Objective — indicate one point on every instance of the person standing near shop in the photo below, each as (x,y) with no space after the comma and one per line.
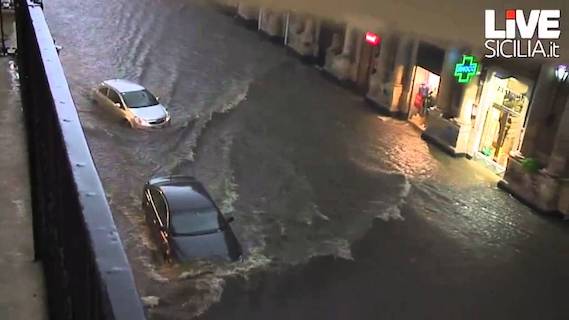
(419,102)
(428,102)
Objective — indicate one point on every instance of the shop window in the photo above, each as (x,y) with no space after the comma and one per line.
(423,95)
(504,105)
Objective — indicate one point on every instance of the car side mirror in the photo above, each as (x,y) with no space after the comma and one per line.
(230,219)
(118,105)
(157,98)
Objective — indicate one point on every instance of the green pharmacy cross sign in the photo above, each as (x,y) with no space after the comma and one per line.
(466,70)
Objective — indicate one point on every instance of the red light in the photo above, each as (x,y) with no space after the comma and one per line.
(372,38)
(510,14)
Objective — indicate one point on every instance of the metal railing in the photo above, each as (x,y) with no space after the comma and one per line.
(86,269)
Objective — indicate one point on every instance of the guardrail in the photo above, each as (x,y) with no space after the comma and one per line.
(87,273)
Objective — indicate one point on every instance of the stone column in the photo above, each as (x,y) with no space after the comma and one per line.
(273,24)
(307,38)
(408,78)
(465,137)
(445,126)
(348,41)
(342,64)
(295,29)
(468,99)
(470,89)
(450,92)
(558,160)
(385,52)
(379,77)
(401,65)
(539,108)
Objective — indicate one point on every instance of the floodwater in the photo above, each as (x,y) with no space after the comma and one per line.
(343,214)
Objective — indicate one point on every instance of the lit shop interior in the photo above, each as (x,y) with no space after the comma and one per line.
(500,120)
(423,96)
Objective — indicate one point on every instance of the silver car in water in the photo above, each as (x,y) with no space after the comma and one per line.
(132,102)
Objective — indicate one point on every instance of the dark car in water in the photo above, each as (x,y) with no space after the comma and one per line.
(186,223)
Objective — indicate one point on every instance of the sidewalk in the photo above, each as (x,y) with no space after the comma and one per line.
(21,279)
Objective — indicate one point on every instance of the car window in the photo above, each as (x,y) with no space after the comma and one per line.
(160,205)
(114,96)
(103,90)
(139,99)
(162,209)
(196,222)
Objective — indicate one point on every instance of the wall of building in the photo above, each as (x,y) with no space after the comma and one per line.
(247,12)
(302,34)
(458,117)
(272,22)
(450,20)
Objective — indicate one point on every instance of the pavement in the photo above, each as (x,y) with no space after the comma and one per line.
(21,278)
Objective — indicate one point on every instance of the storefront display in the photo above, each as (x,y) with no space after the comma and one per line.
(424,92)
(501,120)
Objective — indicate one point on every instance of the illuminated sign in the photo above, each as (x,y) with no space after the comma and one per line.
(372,38)
(466,70)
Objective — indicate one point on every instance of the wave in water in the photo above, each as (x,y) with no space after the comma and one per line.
(185,152)
(209,279)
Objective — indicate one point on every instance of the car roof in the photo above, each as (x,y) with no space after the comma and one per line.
(183,197)
(122,85)
(176,179)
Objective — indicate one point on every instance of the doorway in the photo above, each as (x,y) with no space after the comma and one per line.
(366,66)
(504,103)
(325,39)
(425,87)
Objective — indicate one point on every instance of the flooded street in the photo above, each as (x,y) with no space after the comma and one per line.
(342,214)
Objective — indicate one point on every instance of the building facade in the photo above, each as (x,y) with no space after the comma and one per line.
(302,35)
(247,12)
(273,23)
(512,116)
(539,173)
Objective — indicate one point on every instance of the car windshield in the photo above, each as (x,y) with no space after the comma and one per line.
(195,222)
(139,99)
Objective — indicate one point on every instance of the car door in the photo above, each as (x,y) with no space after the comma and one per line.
(161,220)
(151,212)
(100,95)
(148,207)
(114,99)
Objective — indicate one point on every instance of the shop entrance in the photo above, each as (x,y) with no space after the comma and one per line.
(326,38)
(365,66)
(504,105)
(423,95)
